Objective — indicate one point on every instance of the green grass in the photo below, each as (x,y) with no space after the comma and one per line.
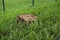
(48,27)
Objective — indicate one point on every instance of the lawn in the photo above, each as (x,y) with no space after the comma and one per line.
(47,28)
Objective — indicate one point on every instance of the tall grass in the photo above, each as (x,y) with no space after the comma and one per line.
(47,28)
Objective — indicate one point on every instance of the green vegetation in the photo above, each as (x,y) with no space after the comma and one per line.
(48,27)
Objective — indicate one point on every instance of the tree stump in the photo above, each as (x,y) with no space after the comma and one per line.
(26,18)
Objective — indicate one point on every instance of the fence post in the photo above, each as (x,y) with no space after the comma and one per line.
(32,2)
(3,5)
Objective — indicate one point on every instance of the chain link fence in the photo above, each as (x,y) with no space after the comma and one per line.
(18,4)
(0,5)
(22,4)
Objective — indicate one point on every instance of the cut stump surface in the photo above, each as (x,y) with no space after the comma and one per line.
(26,18)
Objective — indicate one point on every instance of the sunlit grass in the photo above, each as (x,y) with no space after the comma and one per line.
(47,28)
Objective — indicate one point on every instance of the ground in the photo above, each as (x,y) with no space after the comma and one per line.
(47,28)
